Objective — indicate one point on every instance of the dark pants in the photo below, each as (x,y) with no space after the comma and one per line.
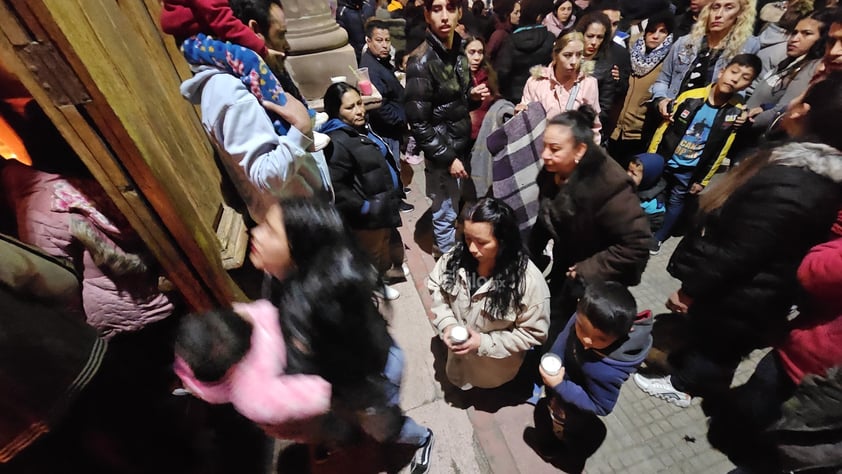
(623,150)
(678,187)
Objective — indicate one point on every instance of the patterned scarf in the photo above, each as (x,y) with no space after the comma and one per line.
(643,63)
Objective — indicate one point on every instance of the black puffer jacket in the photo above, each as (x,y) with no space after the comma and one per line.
(740,266)
(437,84)
(360,173)
(611,91)
(523,49)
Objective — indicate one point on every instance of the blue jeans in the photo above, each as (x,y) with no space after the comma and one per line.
(443,190)
(678,186)
(394,146)
(377,423)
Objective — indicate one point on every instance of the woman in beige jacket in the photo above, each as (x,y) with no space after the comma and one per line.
(487,285)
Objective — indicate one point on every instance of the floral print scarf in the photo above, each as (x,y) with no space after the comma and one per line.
(642,62)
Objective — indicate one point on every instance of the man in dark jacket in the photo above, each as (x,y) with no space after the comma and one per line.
(437,90)
(351,16)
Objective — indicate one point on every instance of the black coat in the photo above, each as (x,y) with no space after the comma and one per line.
(351,16)
(437,85)
(360,173)
(388,120)
(740,265)
(611,91)
(595,221)
(523,49)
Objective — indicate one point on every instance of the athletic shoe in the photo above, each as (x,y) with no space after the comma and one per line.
(388,293)
(654,247)
(394,274)
(662,388)
(420,463)
(406,207)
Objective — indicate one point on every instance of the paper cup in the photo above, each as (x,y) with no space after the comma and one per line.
(551,363)
(336,79)
(458,335)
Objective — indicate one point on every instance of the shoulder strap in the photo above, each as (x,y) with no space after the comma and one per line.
(571,100)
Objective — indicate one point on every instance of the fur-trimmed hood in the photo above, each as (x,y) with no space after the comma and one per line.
(819,158)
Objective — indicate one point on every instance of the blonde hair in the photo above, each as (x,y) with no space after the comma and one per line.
(742,30)
(585,67)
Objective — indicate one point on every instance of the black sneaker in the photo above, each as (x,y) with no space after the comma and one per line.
(406,207)
(420,463)
(654,247)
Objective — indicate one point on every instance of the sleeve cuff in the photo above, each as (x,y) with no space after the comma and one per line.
(299,139)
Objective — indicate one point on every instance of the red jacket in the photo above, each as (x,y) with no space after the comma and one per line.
(185,18)
(815,342)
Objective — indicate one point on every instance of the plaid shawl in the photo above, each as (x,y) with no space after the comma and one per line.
(516,149)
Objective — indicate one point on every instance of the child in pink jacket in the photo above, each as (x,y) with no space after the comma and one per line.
(238,356)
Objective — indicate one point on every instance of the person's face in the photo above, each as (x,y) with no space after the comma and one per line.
(723,15)
(697,5)
(803,37)
(655,38)
(594,36)
(569,58)
(614,16)
(475,53)
(380,44)
(735,78)
(442,18)
(514,16)
(480,240)
(564,11)
(589,336)
(833,52)
(352,110)
(269,244)
(276,34)
(561,154)
(635,171)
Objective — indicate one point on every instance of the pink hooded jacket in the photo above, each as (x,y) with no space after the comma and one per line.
(542,87)
(257,386)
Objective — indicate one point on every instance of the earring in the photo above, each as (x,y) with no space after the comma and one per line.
(576,161)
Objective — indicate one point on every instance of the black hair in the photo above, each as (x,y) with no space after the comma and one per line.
(665,18)
(747,60)
(821,122)
(609,306)
(374,23)
(257,10)
(825,17)
(503,8)
(428,4)
(331,323)
(531,12)
(602,5)
(478,8)
(333,97)
(399,55)
(580,122)
(558,3)
(212,342)
(599,18)
(511,261)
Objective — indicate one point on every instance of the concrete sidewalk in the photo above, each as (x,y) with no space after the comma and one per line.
(483,431)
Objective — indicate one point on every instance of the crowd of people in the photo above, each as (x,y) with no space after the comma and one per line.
(641,104)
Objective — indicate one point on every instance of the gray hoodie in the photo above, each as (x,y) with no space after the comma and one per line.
(251,150)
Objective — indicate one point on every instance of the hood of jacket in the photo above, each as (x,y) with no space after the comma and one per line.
(633,349)
(333,124)
(771,35)
(191,89)
(653,167)
(819,158)
(529,39)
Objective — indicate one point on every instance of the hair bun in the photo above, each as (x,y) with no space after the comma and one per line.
(588,113)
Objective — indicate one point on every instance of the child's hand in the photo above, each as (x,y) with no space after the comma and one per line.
(663,108)
(471,346)
(520,108)
(696,188)
(551,380)
(293,112)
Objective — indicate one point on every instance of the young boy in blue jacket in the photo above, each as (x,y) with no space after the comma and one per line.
(601,346)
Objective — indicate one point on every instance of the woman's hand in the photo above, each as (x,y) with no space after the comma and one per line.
(471,346)
(615,73)
(457,169)
(480,92)
(520,108)
(551,380)
(679,302)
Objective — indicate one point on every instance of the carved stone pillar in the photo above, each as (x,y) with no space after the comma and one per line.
(319,45)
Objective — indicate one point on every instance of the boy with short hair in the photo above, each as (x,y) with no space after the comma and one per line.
(601,346)
(646,170)
(697,136)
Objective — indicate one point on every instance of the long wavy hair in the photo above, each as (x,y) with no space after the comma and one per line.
(599,18)
(331,323)
(741,31)
(509,265)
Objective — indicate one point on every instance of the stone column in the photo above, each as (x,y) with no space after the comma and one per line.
(319,46)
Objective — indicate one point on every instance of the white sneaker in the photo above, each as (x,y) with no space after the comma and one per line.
(662,388)
(388,293)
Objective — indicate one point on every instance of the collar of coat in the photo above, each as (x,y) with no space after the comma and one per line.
(438,46)
(819,158)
